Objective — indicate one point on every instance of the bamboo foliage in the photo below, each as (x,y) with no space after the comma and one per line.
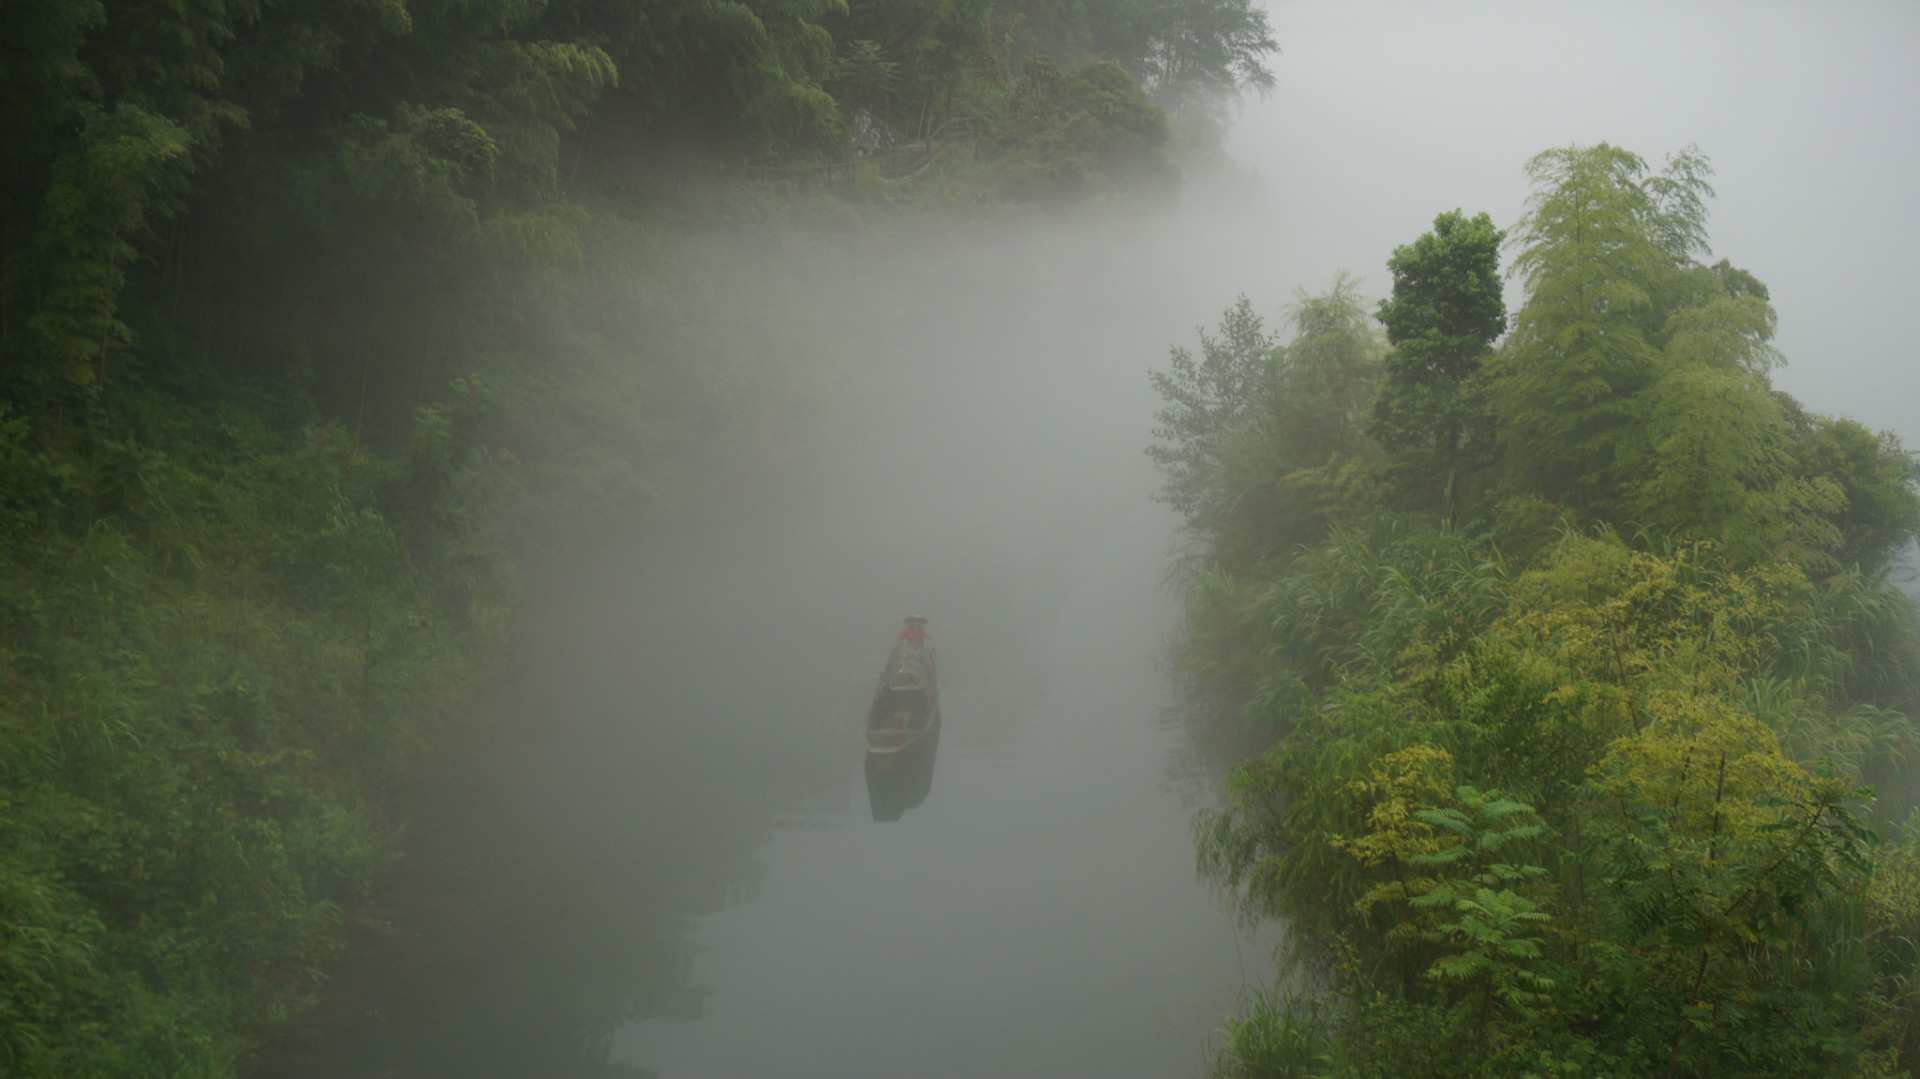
(1593,766)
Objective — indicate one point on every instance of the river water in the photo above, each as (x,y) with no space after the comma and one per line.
(668,859)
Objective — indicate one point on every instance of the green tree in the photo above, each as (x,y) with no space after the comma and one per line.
(1258,475)
(1673,892)
(1208,398)
(1198,57)
(1878,480)
(950,60)
(1598,240)
(1683,700)
(1445,313)
(1067,135)
(865,78)
(1195,58)
(730,80)
(1328,375)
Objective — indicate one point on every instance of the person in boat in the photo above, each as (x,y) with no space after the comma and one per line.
(915,632)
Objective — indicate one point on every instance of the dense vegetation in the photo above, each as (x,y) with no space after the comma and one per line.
(1589,699)
(320,323)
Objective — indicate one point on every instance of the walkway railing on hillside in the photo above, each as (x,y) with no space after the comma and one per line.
(901,161)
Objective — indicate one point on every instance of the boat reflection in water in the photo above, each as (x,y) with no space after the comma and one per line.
(903,732)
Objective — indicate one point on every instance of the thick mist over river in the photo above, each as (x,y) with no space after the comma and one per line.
(463,465)
(671,860)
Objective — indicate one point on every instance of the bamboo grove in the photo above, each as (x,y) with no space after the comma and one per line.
(1588,688)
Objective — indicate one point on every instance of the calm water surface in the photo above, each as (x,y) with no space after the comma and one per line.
(1037,915)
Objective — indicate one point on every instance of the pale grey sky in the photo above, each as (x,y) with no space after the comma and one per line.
(1388,112)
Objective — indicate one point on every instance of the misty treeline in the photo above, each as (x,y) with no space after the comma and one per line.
(1590,701)
(319,323)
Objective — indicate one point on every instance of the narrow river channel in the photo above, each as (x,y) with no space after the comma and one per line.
(668,861)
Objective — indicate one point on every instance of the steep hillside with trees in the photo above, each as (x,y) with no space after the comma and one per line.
(316,322)
(1588,691)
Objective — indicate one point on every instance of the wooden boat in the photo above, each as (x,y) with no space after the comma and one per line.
(906,706)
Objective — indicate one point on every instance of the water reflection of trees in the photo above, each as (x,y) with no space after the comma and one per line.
(550,897)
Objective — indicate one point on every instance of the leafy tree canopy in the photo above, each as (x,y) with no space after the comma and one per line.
(1445,313)
(1594,765)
